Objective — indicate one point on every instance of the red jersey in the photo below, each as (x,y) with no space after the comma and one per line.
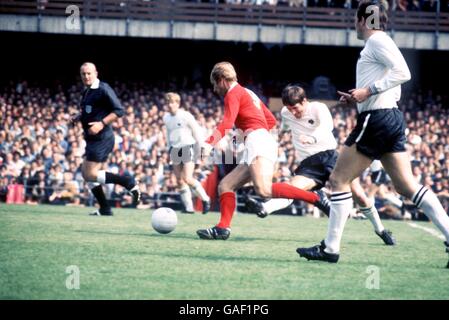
(243,108)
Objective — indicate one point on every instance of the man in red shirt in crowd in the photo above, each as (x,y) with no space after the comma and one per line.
(254,120)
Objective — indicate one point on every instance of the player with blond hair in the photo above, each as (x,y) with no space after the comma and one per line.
(253,120)
(183,134)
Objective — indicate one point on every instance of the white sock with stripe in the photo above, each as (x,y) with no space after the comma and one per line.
(426,200)
(341,205)
(186,198)
(199,191)
(373,216)
(276,204)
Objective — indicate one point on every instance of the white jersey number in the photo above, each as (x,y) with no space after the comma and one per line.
(256,101)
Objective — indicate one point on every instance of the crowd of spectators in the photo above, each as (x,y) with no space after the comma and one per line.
(399,5)
(394,5)
(42,150)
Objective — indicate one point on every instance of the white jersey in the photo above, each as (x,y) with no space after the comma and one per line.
(182,129)
(382,68)
(316,123)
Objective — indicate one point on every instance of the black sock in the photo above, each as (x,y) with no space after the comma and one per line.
(100,196)
(124,181)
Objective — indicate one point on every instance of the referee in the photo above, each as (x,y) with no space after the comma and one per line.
(100,107)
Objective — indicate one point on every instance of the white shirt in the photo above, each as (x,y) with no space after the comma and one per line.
(182,129)
(316,123)
(382,68)
(95,84)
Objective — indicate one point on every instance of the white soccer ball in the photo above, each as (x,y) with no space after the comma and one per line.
(164,220)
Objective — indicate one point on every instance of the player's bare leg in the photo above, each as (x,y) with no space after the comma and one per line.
(263,209)
(195,185)
(399,169)
(89,170)
(390,197)
(262,174)
(92,172)
(184,190)
(369,210)
(226,190)
(372,190)
(350,165)
(261,170)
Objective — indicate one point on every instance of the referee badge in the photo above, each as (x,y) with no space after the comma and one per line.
(88,108)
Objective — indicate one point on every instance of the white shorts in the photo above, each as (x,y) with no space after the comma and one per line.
(259,143)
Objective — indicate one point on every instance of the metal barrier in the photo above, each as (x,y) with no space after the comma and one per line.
(224,13)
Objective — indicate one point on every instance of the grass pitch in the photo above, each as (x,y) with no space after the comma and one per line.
(122,257)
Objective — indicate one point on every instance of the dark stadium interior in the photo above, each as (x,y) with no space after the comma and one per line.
(52,57)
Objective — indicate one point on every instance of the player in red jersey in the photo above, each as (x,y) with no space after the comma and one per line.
(253,119)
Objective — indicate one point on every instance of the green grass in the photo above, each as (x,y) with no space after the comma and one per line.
(121,257)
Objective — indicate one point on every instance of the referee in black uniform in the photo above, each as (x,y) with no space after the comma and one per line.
(99,108)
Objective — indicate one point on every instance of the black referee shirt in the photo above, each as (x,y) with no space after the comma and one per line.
(96,104)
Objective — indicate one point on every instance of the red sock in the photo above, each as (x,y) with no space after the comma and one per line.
(284,190)
(227,208)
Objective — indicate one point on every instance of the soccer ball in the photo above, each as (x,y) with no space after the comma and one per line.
(164,220)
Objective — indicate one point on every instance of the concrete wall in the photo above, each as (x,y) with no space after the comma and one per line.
(211,31)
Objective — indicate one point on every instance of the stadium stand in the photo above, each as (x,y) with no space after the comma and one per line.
(405,14)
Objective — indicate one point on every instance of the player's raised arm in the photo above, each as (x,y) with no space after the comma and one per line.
(346,98)
(195,128)
(231,109)
(387,53)
(115,106)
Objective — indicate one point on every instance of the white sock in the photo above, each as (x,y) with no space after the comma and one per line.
(341,205)
(373,216)
(93,184)
(186,198)
(199,191)
(101,176)
(429,203)
(394,200)
(276,204)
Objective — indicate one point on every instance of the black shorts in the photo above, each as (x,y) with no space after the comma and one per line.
(182,155)
(379,177)
(99,150)
(378,132)
(318,167)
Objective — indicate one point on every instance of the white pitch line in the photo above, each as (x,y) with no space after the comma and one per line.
(429,230)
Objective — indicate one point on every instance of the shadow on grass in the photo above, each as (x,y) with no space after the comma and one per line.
(181,235)
(213,257)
